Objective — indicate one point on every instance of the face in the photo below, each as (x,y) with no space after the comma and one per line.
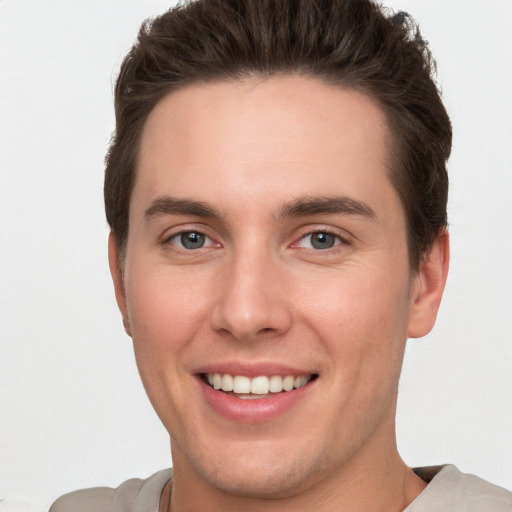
(266,284)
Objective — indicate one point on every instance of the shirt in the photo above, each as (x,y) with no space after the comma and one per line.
(449,490)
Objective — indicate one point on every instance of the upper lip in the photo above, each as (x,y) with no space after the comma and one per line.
(253,369)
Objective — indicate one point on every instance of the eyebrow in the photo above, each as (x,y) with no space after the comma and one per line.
(318,205)
(172,206)
(300,207)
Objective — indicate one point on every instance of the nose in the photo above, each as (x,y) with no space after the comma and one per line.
(252,299)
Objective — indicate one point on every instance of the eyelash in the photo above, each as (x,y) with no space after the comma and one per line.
(180,234)
(338,239)
(176,240)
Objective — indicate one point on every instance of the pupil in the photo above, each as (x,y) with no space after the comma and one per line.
(192,240)
(322,240)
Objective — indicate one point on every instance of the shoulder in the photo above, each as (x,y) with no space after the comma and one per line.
(450,490)
(134,495)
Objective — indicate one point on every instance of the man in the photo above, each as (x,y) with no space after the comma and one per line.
(276,191)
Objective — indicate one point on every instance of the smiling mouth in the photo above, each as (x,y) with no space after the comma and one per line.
(262,386)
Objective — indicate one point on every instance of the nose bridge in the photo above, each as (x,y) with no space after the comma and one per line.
(250,301)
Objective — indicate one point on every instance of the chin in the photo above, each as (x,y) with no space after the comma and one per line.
(261,471)
(268,482)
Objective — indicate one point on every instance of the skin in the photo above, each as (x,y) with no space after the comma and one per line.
(259,291)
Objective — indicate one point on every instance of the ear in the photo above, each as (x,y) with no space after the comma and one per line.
(117,278)
(428,287)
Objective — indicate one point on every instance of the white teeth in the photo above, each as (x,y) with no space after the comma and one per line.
(288,383)
(275,384)
(227,382)
(261,385)
(241,384)
(300,381)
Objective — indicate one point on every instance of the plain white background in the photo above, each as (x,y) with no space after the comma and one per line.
(72,411)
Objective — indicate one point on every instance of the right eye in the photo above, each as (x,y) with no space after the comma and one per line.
(190,240)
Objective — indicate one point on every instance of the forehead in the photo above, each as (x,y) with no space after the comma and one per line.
(287,133)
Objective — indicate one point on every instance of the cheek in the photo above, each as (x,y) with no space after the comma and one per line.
(363,322)
(164,312)
(165,315)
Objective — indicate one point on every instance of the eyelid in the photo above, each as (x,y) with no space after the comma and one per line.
(177,231)
(208,241)
(343,237)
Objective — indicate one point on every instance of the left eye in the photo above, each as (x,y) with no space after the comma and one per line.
(190,240)
(320,240)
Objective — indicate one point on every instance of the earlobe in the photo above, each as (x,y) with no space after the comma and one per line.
(428,288)
(117,279)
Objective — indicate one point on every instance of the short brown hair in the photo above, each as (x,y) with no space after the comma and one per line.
(347,43)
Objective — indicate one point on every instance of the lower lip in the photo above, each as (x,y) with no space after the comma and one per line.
(253,410)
